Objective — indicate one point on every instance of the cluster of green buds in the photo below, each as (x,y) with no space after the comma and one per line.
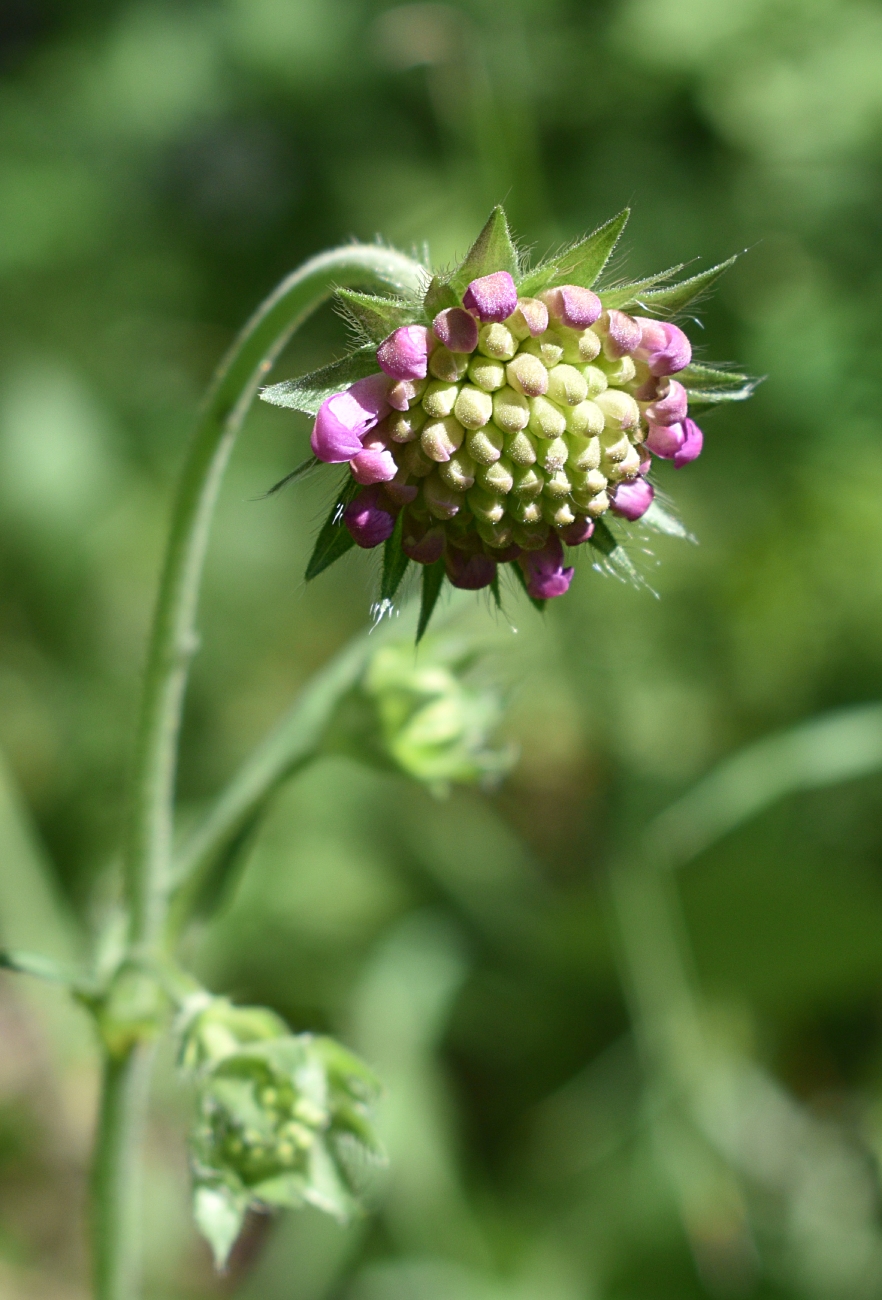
(497,419)
(283,1119)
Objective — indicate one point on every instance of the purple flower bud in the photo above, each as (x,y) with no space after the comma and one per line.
(376,465)
(665,440)
(405,353)
(399,491)
(623,334)
(469,571)
(369,518)
(577,533)
(457,329)
(632,499)
(345,418)
(531,316)
(671,408)
(664,347)
(492,298)
(572,306)
(404,392)
(422,542)
(692,444)
(544,570)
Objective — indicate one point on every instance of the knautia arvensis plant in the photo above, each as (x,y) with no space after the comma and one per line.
(499,416)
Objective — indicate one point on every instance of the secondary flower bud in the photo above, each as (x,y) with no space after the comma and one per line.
(671,408)
(497,341)
(373,466)
(485,445)
(439,439)
(471,572)
(491,298)
(447,365)
(623,334)
(343,419)
(664,347)
(473,408)
(577,533)
(665,440)
(486,374)
(632,500)
(620,411)
(692,445)
(457,329)
(369,518)
(443,501)
(405,353)
(566,385)
(586,420)
(404,392)
(421,541)
(529,319)
(546,419)
(527,375)
(572,306)
(544,570)
(511,410)
(458,472)
(497,478)
(520,448)
(439,399)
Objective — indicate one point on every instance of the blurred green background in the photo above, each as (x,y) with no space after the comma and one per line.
(598,1088)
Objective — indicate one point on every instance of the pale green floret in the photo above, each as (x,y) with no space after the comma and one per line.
(584,452)
(439,439)
(596,380)
(527,375)
(439,399)
(458,472)
(495,535)
(567,386)
(585,420)
(404,426)
(557,484)
(443,502)
(590,481)
(447,365)
(485,505)
(511,410)
(486,374)
(414,461)
(473,408)
(521,448)
(579,346)
(530,537)
(554,454)
(558,512)
(527,480)
(614,444)
(546,419)
(618,372)
(485,445)
(528,512)
(619,409)
(547,348)
(497,342)
(496,478)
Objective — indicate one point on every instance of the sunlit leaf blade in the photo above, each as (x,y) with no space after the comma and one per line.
(334,539)
(697,373)
(395,562)
(307,393)
(582,263)
(305,467)
(493,250)
(433,580)
(712,396)
(219,1215)
(376,317)
(494,588)
(661,520)
(33,963)
(675,297)
(519,575)
(438,297)
(615,556)
(620,296)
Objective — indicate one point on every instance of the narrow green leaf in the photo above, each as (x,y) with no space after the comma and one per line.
(376,317)
(433,581)
(712,396)
(493,250)
(494,588)
(438,297)
(582,263)
(519,574)
(661,520)
(697,373)
(307,393)
(614,554)
(677,296)
(395,562)
(620,296)
(305,467)
(219,1215)
(33,963)
(334,539)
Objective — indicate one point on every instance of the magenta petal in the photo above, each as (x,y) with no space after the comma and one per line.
(633,499)
(664,347)
(457,329)
(665,440)
(692,445)
(368,519)
(573,306)
(345,418)
(491,298)
(470,572)
(422,544)
(374,466)
(577,533)
(544,570)
(624,333)
(670,409)
(405,353)
(653,336)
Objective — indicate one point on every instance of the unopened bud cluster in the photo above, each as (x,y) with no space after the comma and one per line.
(507,427)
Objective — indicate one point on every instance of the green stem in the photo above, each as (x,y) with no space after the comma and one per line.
(148,850)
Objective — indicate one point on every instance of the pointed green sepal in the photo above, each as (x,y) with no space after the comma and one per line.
(305,467)
(307,393)
(622,296)
(580,264)
(703,376)
(616,558)
(334,539)
(494,590)
(438,297)
(676,297)
(433,581)
(395,562)
(376,317)
(219,1213)
(493,250)
(712,396)
(44,968)
(519,574)
(661,520)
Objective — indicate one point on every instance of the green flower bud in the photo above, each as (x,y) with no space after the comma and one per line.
(414,461)
(499,536)
(473,407)
(529,318)
(403,426)
(546,419)
(526,512)
(443,501)
(596,380)
(448,366)
(511,410)
(486,506)
(458,472)
(521,448)
(620,411)
(486,374)
(627,467)
(558,512)
(439,399)
(439,439)
(586,420)
(557,484)
(496,478)
(580,346)
(553,455)
(567,386)
(497,341)
(584,453)
(614,445)
(619,372)
(527,480)
(485,445)
(527,375)
(589,480)
(591,503)
(548,348)
(530,537)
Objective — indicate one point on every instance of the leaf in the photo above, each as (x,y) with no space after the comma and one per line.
(286,1191)
(582,263)
(376,317)
(493,250)
(335,538)
(677,296)
(519,574)
(630,294)
(711,396)
(307,393)
(325,1188)
(661,520)
(615,555)
(305,467)
(33,963)
(438,297)
(697,373)
(494,588)
(395,562)
(433,581)
(219,1215)
(221,880)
